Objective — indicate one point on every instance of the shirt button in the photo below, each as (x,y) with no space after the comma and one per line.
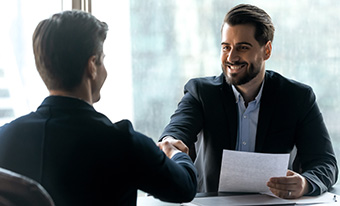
(244,143)
(244,116)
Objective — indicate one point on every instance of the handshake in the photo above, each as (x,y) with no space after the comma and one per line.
(171,146)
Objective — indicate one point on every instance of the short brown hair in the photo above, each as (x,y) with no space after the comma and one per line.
(63,44)
(249,14)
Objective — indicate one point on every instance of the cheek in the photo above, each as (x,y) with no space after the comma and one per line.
(252,58)
(258,63)
(222,57)
(105,73)
(258,59)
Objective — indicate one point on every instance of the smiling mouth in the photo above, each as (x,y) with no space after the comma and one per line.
(235,67)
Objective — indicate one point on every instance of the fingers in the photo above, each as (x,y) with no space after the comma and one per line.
(285,194)
(291,186)
(291,173)
(159,145)
(284,180)
(283,190)
(180,145)
(177,143)
(282,186)
(168,148)
(291,179)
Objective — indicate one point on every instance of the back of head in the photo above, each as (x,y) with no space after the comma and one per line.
(249,14)
(62,46)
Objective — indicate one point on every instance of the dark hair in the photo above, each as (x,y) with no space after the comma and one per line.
(249,14)
(63,44)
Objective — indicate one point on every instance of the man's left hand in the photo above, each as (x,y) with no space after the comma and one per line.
(291,186)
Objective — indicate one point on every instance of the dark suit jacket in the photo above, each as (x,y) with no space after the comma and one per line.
(288,117)
(81,158)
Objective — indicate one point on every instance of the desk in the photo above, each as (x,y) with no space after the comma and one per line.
(335,189)
(202,199)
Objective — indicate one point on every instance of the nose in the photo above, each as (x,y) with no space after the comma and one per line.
(233,56)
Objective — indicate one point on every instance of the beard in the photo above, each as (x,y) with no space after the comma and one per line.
(240,79)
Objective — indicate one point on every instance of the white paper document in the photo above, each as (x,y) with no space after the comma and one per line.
(249,171)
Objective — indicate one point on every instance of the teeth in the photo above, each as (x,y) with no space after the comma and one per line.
(235,67)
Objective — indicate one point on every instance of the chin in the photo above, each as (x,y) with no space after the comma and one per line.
(95,100)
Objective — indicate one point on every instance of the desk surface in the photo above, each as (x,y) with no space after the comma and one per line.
(335,189)
(226,198)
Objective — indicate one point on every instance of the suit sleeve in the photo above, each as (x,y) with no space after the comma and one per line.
(187,121)
(315,151)
(171,180)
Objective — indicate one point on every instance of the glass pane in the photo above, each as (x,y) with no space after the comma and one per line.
(21,89)
(66,5)
(116,95)
(155,47)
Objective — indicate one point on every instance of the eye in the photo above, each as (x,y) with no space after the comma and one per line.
(243,48)
(225,47)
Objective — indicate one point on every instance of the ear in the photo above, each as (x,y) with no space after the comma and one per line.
(91,67)
(267,50)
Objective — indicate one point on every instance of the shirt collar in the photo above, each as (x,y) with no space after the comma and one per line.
(239,97)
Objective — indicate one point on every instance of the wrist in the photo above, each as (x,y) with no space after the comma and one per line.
(174,153)
(307,186)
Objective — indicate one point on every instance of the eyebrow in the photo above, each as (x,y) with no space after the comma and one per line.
(237,44)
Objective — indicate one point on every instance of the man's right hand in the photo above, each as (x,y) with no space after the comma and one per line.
(168,148)
(176,143)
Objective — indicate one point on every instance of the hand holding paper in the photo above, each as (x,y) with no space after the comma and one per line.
(292,186)
(249,172)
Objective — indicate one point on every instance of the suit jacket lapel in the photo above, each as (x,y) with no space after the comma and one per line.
(230,110)
(268,101)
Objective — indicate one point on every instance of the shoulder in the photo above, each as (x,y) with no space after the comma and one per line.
(205,85)
(124,130)
(212,81)
(283,85)
(287,90)
(284,82)
(23,121)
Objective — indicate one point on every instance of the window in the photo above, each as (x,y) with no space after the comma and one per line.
(155,47)
(21,89)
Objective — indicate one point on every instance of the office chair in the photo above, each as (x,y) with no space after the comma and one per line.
(18,190)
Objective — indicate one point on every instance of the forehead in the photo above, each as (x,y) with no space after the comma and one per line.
(238,33)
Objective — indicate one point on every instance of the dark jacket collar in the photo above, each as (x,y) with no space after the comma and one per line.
(65,102)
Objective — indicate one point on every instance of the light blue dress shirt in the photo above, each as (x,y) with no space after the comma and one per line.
(247,124)
(247,121)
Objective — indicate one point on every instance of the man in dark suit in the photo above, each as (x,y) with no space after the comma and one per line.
(76,153)
(250,109)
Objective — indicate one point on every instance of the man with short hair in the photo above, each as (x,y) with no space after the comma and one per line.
(250,109)
(76,153)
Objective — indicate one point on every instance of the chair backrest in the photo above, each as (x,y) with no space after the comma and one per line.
(18,190)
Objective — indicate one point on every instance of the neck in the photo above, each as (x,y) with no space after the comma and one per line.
(78,93)
(251,89)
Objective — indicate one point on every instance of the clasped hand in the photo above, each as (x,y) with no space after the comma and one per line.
(171,146)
